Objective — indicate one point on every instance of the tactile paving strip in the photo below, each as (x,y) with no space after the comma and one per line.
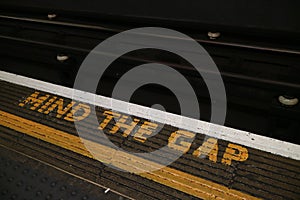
(24,178)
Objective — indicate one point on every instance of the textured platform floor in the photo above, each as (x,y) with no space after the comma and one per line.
(24,177)
(41,129)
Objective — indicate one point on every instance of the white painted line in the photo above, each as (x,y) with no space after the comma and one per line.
(263,143)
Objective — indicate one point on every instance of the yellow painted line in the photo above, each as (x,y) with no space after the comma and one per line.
(176,179)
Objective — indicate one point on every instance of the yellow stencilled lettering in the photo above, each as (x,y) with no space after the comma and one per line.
(234,152)
(208,148)
(48,103)
(109,116)
(181,140)
(147,128)
(35,100)
(71,116)
(121,123)
(59,105)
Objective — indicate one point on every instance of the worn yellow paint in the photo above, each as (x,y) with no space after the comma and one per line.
(51,103)
(176,179)
(147,128)
(176,143)
(208,148)
(109,116)
(234,152)
(71,115)
(59,105)
(45,106)
(126,127)
(35,100)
